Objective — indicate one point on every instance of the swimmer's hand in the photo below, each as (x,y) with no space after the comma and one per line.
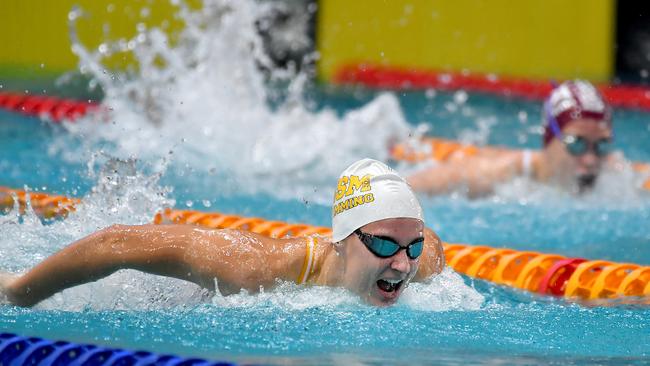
(6,280)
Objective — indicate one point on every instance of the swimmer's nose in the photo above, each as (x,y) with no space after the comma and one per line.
(590,160)
(401,262)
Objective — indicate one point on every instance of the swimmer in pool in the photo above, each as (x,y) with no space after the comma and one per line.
(577,145)
(378,245)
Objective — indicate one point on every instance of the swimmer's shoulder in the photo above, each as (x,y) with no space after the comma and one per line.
(299,259)
(432,260)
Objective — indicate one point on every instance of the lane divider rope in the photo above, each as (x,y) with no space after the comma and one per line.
(547,274)
(21,350)
(45,107)
(391,77)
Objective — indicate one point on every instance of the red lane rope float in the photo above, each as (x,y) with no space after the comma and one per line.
(445,150)
(554,281)
(45,107)
(542,273)
(377,76)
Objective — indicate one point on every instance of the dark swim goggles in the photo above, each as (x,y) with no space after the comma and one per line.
(384,247)
(578,145)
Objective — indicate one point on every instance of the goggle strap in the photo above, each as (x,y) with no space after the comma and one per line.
(552,121)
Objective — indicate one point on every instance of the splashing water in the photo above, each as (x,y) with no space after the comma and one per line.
(616,188)
(447,291)
(206,99)
(123,195)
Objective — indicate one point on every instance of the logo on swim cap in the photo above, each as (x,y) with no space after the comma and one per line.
(369,191)
(346,187)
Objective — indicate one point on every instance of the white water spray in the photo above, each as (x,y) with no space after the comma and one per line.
(206,99)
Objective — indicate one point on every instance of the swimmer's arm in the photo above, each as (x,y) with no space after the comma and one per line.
(179,251)
(432,261)
(478,175)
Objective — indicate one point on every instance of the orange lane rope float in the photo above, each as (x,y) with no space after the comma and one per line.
(446,150)
(45,205)
(548,274)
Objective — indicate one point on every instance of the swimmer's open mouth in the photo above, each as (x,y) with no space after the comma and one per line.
(389,285)
(586,181)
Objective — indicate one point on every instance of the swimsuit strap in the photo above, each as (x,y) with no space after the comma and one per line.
(526,163)
(308,264)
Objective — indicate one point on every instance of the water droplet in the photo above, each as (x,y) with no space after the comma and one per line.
(207,203)
(189,203)
(460,97)
(445,78)
(523,116)
(74,14)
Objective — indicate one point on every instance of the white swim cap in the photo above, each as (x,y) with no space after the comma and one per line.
(369,191)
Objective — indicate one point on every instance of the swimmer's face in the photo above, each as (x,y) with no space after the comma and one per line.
(581,170)
(381,281)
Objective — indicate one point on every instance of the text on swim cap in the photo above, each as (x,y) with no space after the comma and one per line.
(347,186)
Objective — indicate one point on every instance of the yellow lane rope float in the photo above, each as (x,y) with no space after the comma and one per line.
(549,274)
(444,150)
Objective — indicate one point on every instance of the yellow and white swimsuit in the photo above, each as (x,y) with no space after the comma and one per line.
(308,265)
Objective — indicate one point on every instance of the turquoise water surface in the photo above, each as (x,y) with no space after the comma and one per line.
(455,320)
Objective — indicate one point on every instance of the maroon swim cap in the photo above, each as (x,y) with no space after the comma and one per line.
(570,101)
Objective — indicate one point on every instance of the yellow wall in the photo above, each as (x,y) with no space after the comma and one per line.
(35,32)
(528,38)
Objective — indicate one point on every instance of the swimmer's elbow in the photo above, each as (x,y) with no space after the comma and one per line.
(8,290)
(114,247)
(422,183)
(107,235)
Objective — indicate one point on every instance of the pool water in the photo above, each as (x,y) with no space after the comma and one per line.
(218,142)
